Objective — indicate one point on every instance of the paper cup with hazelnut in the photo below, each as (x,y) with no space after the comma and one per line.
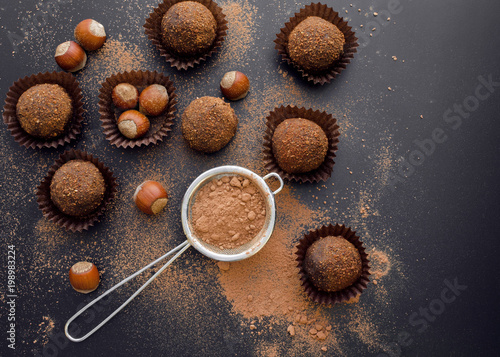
(44,110)
(300,144)
(147,99)
(186,32)
(317,43)
(76,191)
(334,266)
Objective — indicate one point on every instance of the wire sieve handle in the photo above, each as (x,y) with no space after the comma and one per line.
(180,248)
(278,177)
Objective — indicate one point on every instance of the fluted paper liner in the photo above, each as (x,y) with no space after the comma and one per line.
(332,298)
(160,125)
(326,121)
(52,213)
(73,127)
(153,31)
(327,13)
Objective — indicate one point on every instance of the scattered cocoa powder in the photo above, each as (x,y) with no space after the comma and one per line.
(228,212)
(223,266)
(44,330)
(240,39)
(272,271)
(380,264)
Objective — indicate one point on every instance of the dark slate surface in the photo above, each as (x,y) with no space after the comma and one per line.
(438,215)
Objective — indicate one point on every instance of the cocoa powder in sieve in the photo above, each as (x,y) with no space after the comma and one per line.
(228,212)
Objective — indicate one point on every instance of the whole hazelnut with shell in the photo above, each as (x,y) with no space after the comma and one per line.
(153,100)
(150,197)
(84,277)
(125,96)
(234,85)
(70,56)
(90,34)
(133,124)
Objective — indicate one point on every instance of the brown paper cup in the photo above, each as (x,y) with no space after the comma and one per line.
(74,126)
(52,213)
(332,298)
(327,13)
(326,121)
(153,31)
(160,125)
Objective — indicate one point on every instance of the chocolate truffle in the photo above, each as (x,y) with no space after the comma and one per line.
(299,145)
(44,110)
(332,263)
(208,124)
(188,29)
(77,188)
(315,44)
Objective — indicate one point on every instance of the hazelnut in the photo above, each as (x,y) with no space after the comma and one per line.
(125,96)
(90,34)
(150,197)
(153,100)
(234,85)
(84,277)
(133,124)
(70,56)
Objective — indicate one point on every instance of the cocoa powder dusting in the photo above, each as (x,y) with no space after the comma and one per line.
(267,284)
(44,330)
(228,212)
(242,19)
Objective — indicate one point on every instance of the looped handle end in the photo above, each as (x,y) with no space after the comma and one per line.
(179,249)
(278,177)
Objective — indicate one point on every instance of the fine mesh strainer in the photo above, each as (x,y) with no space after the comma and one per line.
(229,255)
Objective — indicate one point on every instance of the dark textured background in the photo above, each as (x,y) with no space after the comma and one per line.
(441,222)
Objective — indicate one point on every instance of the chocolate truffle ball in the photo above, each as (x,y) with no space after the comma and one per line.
(299,145)
(208,124)
(77,188)
(188,29)
(332,263)
(315,44)
(44,110)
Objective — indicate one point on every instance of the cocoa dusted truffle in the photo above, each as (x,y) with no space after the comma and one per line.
(315,44)
(332,263)
(77,188)
(208,124)
(188,29)
(44,110)
(299,145)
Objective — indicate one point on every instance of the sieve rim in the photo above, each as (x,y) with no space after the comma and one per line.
(268,198)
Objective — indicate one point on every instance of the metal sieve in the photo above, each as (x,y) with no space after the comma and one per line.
(241,252)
